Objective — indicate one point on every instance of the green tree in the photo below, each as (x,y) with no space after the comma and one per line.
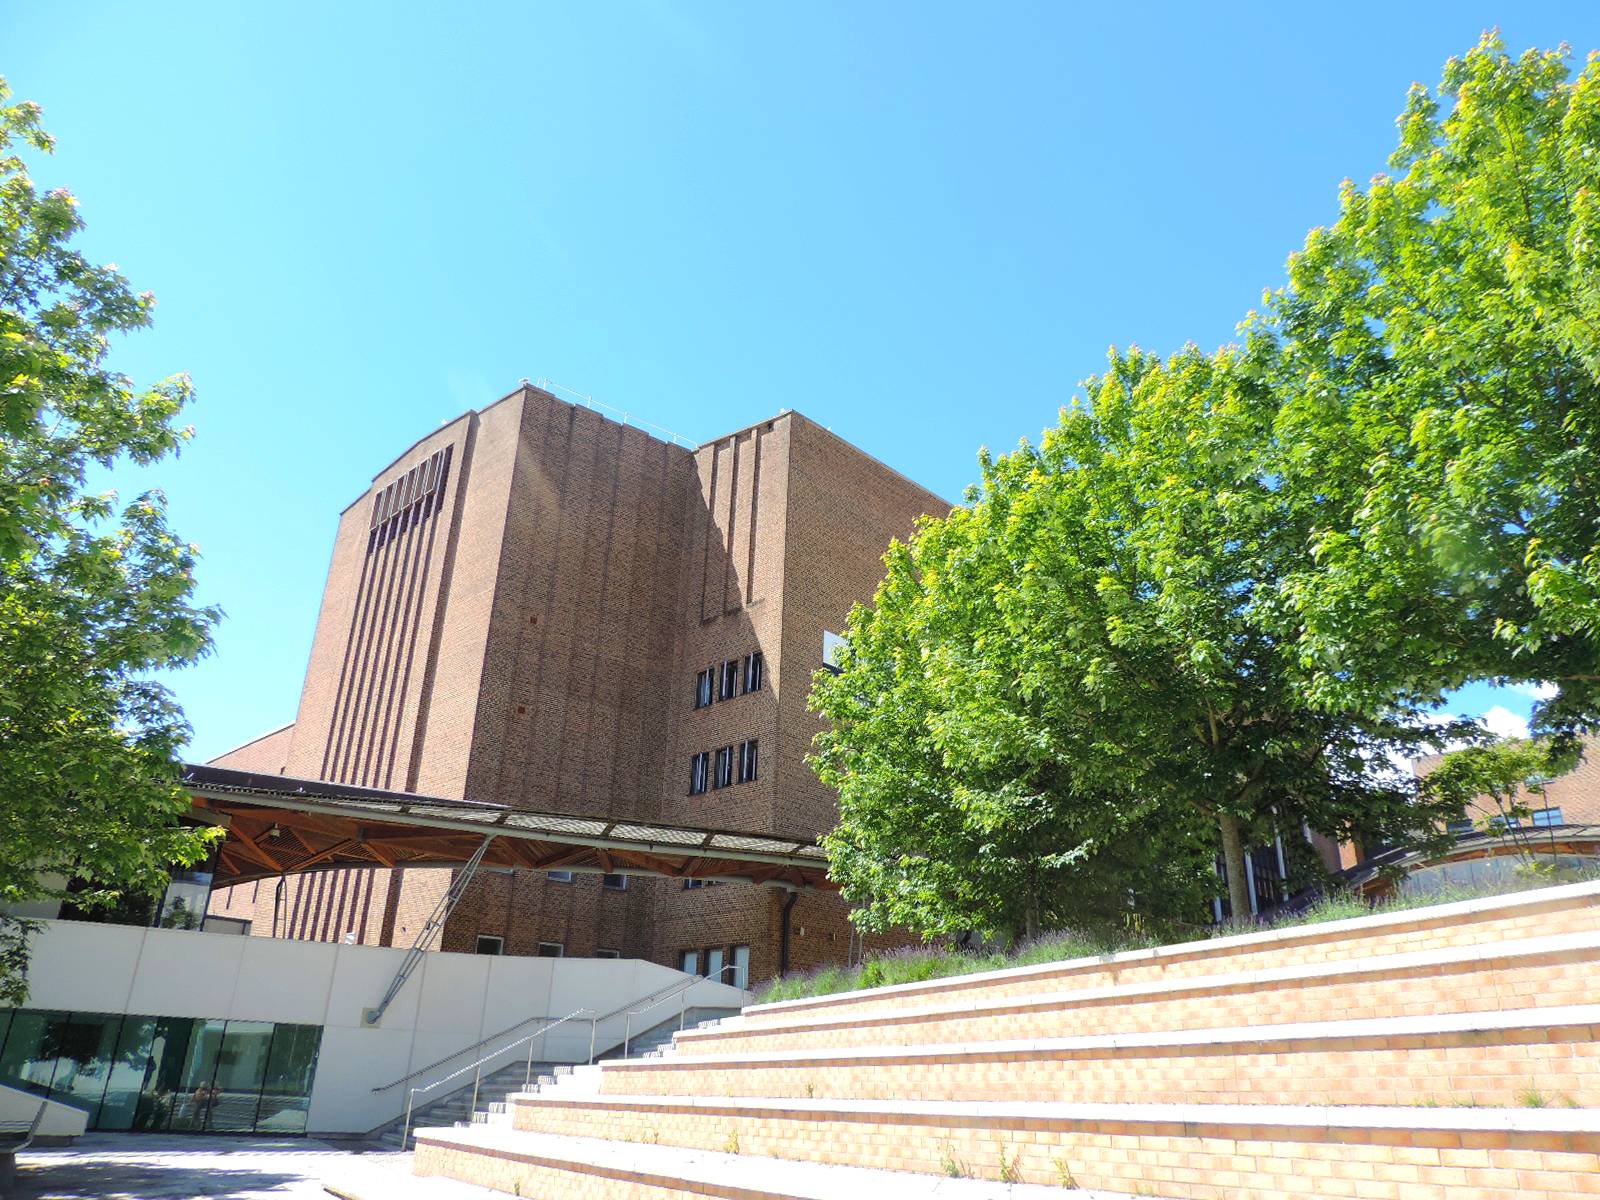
(91,600)
(1082,662)
(1437,349)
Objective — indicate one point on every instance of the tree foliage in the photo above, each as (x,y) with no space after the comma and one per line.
(92,599)
(1437,351)
(1226,588)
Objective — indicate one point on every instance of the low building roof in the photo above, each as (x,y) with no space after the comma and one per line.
(283,826)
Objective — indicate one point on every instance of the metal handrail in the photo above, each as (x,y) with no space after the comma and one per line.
(682,989)
(527,1082)
(483,1041)
(646,1003)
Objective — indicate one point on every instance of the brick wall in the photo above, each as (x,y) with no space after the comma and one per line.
(530,632)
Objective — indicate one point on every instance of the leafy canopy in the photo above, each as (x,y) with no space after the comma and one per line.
(91,599)
(1226,588)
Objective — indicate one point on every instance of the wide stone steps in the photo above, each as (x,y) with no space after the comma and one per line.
(1459,1060)
(1545,1055)
(1546,911)
(1531,972)
(1199,1151)
(557,1167)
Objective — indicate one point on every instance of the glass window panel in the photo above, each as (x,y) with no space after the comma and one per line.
(195,1090)
(169,1051)
(129,1065)
(714,964)
(86,1044)
(286,1091)
(29,1058)
(241,1066)
(741,967)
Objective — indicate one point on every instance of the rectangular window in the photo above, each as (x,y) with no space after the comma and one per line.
(558,876)
(832,644)
(741,968)
(714,964)
(728,686)
(489,944)
(551,949)
(689,962)
(1545,817)
(690,885)
(749,760)
(724,772)
(608,954)
(754,670)
(616,882)
(702,688)
(1463,825)
(699,765)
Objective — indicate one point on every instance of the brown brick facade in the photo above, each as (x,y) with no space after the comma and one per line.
(517,611)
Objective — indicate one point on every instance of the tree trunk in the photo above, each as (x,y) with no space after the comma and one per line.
(1030,916)
(1233,858)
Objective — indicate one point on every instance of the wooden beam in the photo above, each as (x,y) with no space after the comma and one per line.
(256,851)
(322,855)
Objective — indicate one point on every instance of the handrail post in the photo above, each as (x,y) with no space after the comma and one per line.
(527,1079)
(627,1033)
(405,1130)
(594,1027)
(683,1005)
(477,1077)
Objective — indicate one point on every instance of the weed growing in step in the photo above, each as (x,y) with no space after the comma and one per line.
(1010,1167)
(1063,1173)
(731,1146)
(1532,1097)
(950,1165)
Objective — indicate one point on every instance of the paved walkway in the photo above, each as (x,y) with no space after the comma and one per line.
(111,1166)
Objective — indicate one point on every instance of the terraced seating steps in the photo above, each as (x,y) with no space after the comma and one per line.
(1323,1061)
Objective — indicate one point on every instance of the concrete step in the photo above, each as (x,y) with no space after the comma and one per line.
(1496,1058)
(1570,908)
(1198,1151)
(1553,970)
(554,1167)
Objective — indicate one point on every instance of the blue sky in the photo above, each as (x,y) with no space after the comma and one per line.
(920,224)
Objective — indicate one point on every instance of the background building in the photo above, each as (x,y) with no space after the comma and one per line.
(542,607)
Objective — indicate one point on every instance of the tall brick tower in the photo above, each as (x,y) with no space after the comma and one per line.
(542,607)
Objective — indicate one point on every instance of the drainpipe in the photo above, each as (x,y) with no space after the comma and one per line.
(783,933)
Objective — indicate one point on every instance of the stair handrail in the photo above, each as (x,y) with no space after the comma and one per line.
(483,1041)
(681,988)
(411,1094)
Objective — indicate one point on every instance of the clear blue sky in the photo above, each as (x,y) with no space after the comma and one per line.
(920,224)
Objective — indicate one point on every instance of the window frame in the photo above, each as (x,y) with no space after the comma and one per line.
(620,886)
(722,771)
(559,947)
(1547,817)
(559,875)
(499,943)
(699,772)
(749,761)
(728,680)
(755,671)
(705,692)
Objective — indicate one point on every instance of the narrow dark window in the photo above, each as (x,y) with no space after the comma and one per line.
(697,772)
(608,954)
(551,950)
(754,671)
(702,688)
(616,882)
(489,944)
(749,760)
(724,769)
(728,685)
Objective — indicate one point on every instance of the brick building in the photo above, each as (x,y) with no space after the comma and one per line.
(541,607)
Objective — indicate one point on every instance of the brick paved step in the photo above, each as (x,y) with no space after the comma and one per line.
(1553,971)
(1202,1152)
(553,1167)
(1571,908)
(1549,1055)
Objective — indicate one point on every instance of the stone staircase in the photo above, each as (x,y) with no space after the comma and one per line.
(1448,1053)
(456,1108)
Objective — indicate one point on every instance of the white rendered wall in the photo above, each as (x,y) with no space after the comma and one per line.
(450,1002)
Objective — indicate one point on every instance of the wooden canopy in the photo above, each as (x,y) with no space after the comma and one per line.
(282,826)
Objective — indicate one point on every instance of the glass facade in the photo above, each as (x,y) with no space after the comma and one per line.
(164,1074)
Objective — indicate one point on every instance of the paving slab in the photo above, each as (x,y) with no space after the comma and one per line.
(116,1166)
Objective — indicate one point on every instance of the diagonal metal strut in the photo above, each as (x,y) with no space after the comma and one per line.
(441,914)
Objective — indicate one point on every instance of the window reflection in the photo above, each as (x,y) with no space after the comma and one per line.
(159,1074)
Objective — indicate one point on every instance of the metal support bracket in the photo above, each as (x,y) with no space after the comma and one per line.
(434,923)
